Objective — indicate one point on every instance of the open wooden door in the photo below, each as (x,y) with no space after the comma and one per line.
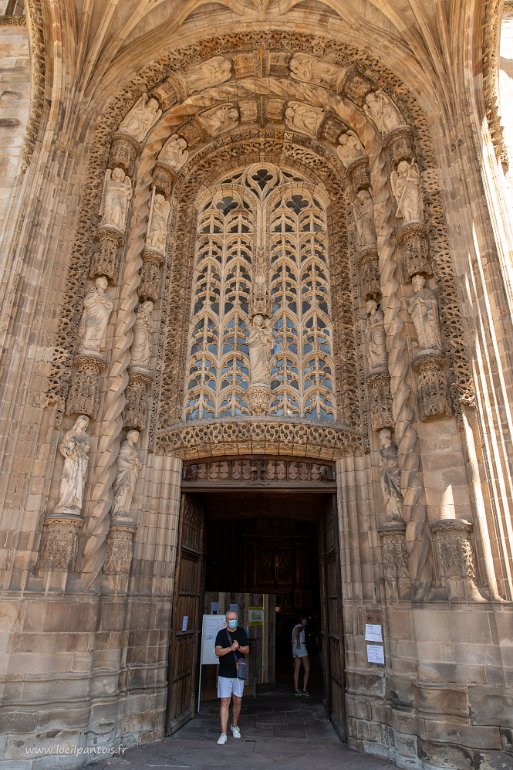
(187,613)
(332,620)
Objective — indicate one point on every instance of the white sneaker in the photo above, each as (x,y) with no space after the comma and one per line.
(235,731)
(222,739)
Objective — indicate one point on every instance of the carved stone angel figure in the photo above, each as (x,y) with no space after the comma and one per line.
(157,228)
(260,347)
(390,477)
(141,117)
(174,153)
(95,317)
(117,192)
(405,183)
(382,110)
(303,117)
(375,336)
(128,467)
(141,348)
(208,73)
(423,308)
(310,69)
(220,119)
(349,148)
(74,447)
(363,210)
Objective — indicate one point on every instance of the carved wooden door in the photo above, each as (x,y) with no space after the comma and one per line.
(187,615)
(332,620)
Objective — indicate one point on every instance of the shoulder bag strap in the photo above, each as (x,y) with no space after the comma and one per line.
(234,653)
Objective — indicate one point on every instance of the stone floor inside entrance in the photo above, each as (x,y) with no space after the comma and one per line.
(279,731)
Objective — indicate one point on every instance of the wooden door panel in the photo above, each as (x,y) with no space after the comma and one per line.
(187,602)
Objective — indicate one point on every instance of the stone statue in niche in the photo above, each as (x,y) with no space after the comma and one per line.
(390,477)
(95,317)
(219,119)
(363,210)
(142,116)
(310,69)
(383,112)
(405,183)
(260,343)
(303,117)
(174,153)
(349,149)
(375,337)
(117,192)
(74,447)
(128,466)
(141,348)
(423,308)
(157,228)
(208,73)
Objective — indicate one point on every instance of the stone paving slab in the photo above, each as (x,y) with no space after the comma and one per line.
(278,732)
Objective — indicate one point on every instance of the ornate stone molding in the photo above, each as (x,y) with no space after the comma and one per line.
(135,413)
(106,256)
(252,472)
(60,541)
(120,546)
(432,392)
(378,384)
(491,42)
(258,436)
(413,239)
(13,21)
(395,560)
(83,395)
(38,75)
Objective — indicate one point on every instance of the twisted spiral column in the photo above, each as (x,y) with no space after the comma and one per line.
(417,531)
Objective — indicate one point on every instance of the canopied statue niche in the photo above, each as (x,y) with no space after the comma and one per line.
(261,332)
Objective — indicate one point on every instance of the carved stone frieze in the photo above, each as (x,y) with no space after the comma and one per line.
(413,239)
(432,392)
(360,175)
(395,560)
(149,287)
(59,546)
(106,255)
(83,394)
(378,386)
(123,152)
(399,143)
(120,546)
(255,471)
(369,273)
(210,438)
(135,413)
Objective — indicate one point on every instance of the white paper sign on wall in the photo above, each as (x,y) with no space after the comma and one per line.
(211,625)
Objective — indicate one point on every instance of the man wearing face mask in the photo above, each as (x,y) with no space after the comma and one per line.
(231,644)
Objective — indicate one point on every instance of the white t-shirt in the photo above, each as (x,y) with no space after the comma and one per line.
(302,638)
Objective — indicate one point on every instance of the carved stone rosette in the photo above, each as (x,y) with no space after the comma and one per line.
(120,545)
(378,385)
(149,287)
(163,178)
(123,152)
(432,391)
(455,556)
(359,175)
(136,407)
(399,143)
(369,273)
(106,256)
(59,548)
(83,394)
(395,559)
(413,239)
(258,397)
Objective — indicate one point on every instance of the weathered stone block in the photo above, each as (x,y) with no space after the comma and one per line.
(438,700)
(491,706)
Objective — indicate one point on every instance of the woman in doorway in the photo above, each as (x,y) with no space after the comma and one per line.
(300,655)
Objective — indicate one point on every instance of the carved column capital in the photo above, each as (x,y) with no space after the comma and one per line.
(59,546)
(136,407)
(120,548)
(455,556)
(399,144)
(258,397)
(368,264)
(106,256)
(359,175)
(355,85)
(432,391)
(413,239)
(378,386)
(163,178)
(123,152)
(149,287)
(395,559)
(83,395)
